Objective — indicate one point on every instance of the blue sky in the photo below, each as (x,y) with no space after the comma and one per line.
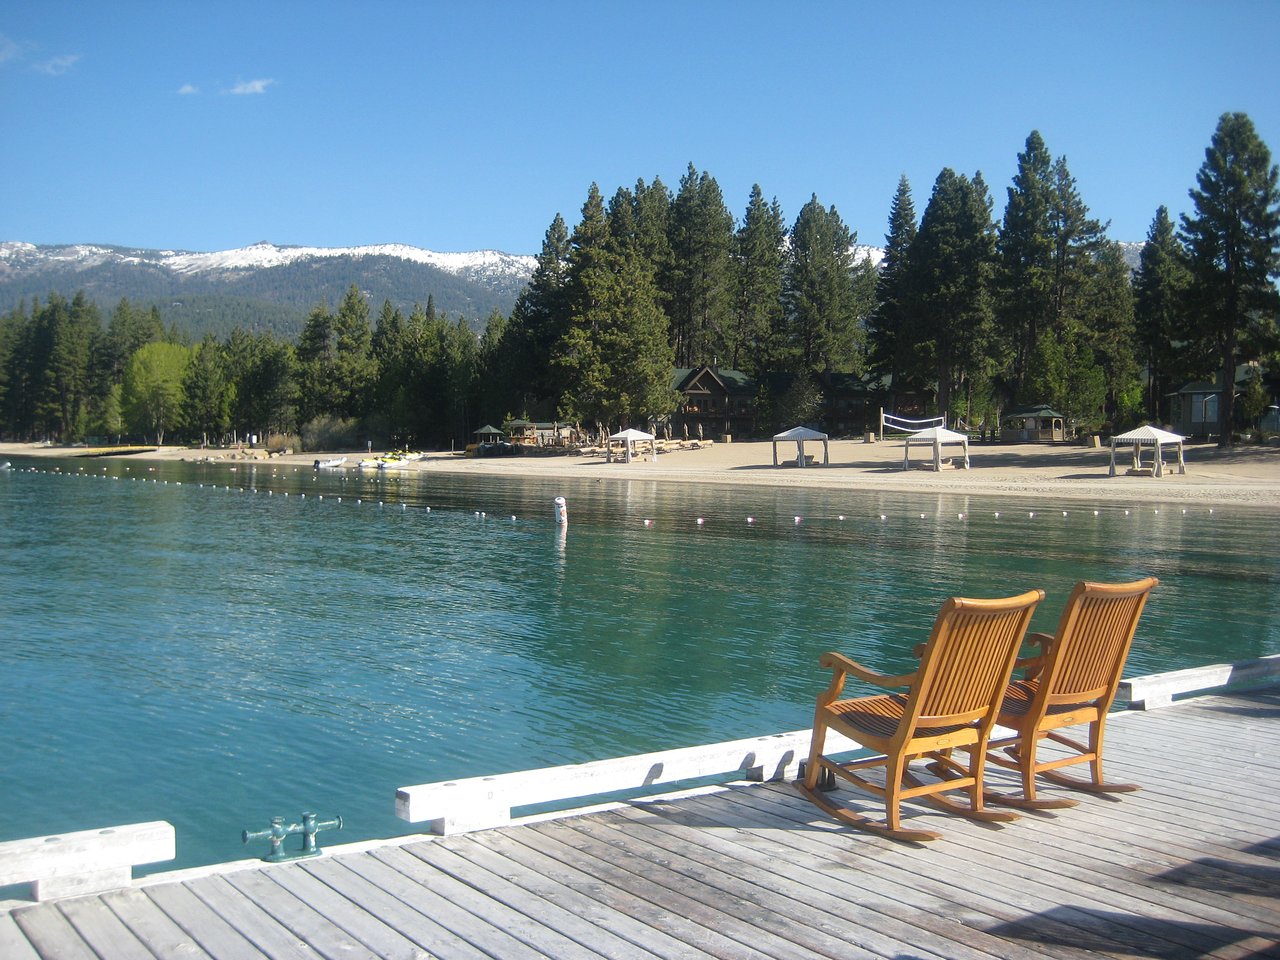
(462,126)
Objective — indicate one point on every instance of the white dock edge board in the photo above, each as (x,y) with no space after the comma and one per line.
(476,803)
(85,861)
(1158,689)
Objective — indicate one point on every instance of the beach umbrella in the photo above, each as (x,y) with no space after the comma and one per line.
(800,435)
(1148,436)
(934,437)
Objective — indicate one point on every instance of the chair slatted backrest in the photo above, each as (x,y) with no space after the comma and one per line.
(1092,644)
(969,658)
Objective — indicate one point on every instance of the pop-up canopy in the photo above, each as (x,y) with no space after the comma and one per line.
(934,437)
(800,435)
(1148,436)
(629,438)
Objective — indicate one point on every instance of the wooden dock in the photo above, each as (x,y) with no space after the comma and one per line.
(1188,867)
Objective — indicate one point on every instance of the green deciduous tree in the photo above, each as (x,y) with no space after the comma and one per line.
(151,392)
(1233,246)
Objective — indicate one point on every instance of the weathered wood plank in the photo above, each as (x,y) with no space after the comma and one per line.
(611,932)
(304,922)
(52,934)
(14,944)
(102,930)
(382,940)
(681,916)
(416,926)
(214,935)
(152,925)
(588,938)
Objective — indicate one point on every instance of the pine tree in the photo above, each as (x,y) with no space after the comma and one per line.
(701,297)
(1233,245)
(1026,257)
(206,393)
(1108,328)
(759,255)
(354,367)
(614,357)
(949,276)
(819,294)
(537,323)
(1159,289)
(889,333)
(317,367)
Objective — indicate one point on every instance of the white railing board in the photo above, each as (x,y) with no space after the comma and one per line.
(86,860)
(475,803)
(1158,689)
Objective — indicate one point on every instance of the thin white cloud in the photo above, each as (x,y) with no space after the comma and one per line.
(8,49)
(250,87)
(57,66)
(187,89)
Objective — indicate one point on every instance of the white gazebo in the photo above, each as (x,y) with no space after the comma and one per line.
(934,437)
(1148,436)
(799,435)
(629,439)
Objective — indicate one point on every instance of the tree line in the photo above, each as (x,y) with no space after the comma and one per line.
(976,313)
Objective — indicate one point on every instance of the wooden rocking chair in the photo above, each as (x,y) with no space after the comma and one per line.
(951,701)
(1071,681)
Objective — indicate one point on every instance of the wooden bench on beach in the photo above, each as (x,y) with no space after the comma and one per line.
(88,861)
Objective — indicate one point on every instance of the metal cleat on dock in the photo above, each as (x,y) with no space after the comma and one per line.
(278,830)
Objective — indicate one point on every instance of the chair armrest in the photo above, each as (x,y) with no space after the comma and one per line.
(843,665)
(1034,663)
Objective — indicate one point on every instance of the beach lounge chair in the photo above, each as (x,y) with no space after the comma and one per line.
(1071,681)
(950,701)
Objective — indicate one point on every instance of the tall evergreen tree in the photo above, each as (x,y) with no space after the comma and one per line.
(354,368)
(1233,245)
(818,295)
(950,271)
(206,391)
(701,299)
(889,332)
(1108,325)
(1026,257)
(317,367)
(538,322)
(1159,289)
(759,257)
(614,357)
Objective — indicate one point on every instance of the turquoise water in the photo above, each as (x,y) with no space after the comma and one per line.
(186,642)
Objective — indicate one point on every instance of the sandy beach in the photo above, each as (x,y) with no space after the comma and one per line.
(1247,474)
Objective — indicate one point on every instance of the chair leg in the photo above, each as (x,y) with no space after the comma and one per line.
(814,768)
(1096,784)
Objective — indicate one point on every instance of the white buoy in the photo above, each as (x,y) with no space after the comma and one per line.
(997,514)
(701,521)
(797,519)
(883,517)
(561,510)
(1031,514)
(841,517)
(751,519)
(1095,513)
(648,523)
(1064,513)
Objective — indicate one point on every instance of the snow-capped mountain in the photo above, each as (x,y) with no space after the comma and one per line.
(16,256)
(275,284)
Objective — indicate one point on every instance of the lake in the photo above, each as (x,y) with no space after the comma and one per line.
(213,647)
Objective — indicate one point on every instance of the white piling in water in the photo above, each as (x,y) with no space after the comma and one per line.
(561,510)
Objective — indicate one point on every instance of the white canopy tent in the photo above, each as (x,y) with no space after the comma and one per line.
(1148,436)
(629,439)
(934,437)
(800,435)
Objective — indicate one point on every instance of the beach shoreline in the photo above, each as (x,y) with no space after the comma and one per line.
(1247,474)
